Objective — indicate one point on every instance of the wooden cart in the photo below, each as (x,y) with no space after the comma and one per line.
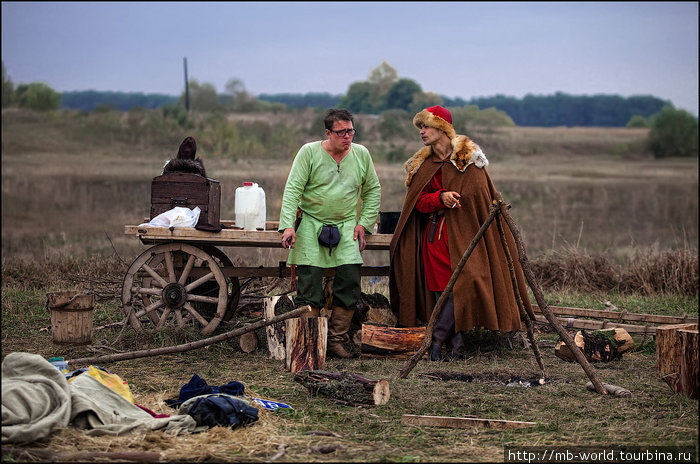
(184,277)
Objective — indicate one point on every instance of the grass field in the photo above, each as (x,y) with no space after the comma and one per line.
(601,222)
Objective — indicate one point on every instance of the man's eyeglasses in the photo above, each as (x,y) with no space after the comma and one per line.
(344,132)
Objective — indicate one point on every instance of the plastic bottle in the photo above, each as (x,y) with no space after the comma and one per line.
(60,364)
(250,207)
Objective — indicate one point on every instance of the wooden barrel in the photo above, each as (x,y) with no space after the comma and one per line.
(71,317)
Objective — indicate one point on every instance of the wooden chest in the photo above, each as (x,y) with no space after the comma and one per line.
(188,190)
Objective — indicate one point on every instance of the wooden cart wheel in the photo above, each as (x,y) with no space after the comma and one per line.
(173,284)
(210,288)
(234,286)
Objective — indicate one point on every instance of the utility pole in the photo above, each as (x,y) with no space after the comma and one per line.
(187,88)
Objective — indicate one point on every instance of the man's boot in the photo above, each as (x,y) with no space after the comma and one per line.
(338,326)
(313,312)
(442,329)
(457,352)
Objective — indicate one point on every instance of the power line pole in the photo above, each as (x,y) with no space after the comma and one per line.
(187,88)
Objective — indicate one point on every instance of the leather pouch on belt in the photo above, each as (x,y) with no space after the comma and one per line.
(329,237)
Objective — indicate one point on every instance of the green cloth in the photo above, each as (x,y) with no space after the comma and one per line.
(328,193)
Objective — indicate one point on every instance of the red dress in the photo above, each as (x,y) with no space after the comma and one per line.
(436,254)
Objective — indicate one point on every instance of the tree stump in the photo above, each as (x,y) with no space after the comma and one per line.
(306,343)
(352,389)
(668,350)
(688,379)
(391,342)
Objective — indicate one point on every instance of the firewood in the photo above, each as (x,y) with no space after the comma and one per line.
(600,345)
(248,342)
(611,389)
(391,342)
(349,388)
(464,422)
(305,343)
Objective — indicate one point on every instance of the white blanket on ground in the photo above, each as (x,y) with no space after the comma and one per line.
(37,400)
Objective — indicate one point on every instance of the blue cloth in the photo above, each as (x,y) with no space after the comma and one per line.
(220,409)
(197,386)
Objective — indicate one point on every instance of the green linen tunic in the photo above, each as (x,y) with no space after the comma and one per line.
(327,193)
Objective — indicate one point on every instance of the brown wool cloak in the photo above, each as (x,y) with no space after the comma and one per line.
(483,292)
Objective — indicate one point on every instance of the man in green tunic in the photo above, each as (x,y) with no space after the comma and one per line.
(326,182)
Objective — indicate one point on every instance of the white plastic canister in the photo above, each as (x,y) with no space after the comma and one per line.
(250,207)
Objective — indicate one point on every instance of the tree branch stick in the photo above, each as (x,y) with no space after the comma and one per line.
(190,346)
(554,322)
(411,363)
(523,315)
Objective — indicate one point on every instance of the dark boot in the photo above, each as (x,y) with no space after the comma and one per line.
(444,326)
(457,348)
(338,326)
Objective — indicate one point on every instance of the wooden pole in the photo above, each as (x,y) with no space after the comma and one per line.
(190,346)
(539,297)
(411,363)
(523,315)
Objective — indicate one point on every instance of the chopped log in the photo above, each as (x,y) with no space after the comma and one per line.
(600,345)
(275,333)
(464,422)
(612,390)
(668,350)
(306,343)
(248,342)
(688,380)
(391,342)
(352,389)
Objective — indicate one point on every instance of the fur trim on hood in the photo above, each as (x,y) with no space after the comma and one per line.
(464,153)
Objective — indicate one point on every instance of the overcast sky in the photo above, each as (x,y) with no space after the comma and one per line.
(457,49)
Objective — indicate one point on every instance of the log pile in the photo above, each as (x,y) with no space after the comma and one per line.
(600,345)
(677,357)
(345,388)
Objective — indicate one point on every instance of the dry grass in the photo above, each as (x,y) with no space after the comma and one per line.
(647,273)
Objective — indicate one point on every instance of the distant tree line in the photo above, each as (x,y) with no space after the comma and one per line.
(300,101)
(89,100)
(562,109)
(672,132)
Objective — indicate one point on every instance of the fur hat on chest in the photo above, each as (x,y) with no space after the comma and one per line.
(185,160)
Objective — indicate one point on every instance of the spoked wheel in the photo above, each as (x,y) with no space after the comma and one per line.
(168,283)
(234,286)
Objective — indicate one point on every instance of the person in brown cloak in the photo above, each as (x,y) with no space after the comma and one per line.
(448,199)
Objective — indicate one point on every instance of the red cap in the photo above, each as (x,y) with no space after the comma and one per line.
(248,184)
(441,112)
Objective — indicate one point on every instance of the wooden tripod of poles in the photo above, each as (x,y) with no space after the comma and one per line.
(496,211)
